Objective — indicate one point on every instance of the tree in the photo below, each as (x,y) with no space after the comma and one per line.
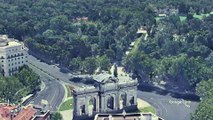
(104,63)
(29,79)
(9,89)
(204,110)
(90,65)
(75,64)
(205,89)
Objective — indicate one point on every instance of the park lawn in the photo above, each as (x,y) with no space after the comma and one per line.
(67,105)
(201,16)
(148,109)
(157,18)
(182,18)
(68,91)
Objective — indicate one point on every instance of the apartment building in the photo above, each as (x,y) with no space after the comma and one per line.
(13,55)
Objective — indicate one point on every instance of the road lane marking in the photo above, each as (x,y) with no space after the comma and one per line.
(179,102)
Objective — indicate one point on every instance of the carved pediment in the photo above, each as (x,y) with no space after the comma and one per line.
(105,78)
(110,80)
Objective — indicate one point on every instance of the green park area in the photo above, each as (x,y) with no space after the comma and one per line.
(183,18)
(148,109)
(68,91)
(201,16)
(66,105)
(145,107)
(68,102)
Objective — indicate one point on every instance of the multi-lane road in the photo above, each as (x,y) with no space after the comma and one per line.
(167,107)
(52,92)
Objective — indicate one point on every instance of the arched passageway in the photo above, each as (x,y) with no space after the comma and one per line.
(132,101)
(92,106)
(110,103)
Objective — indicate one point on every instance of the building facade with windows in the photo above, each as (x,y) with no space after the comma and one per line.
(13,55)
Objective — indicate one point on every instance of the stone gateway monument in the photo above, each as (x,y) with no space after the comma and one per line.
(105,94)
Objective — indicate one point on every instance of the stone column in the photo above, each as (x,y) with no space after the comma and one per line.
(76,105)
(117,101)
(87,105)
(97,103)
(103,103)
(128,96)
(135,96)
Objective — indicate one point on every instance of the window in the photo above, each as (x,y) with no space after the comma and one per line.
(2,65)
(2,61)
(18,62)
(22,62)
(9,60)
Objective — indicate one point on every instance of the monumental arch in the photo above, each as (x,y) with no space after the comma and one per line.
(106,94)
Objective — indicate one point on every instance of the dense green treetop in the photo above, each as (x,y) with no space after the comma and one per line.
(205,109)
(14,88)
(51,28)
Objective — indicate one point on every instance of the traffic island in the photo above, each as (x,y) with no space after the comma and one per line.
(145,107)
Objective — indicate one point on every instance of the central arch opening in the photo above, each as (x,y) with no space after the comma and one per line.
(110,103)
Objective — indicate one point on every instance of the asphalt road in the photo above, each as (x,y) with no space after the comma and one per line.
(167,107)
(52,91)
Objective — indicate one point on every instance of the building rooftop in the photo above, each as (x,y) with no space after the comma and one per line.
(5,111)
(104,77)
(26,113)
(12,112)
(14,43)
(8,42)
